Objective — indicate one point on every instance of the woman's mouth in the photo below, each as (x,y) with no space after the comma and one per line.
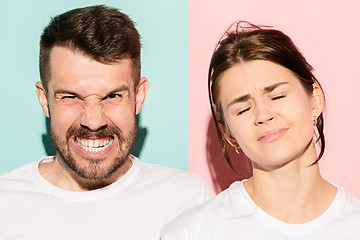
(272,135)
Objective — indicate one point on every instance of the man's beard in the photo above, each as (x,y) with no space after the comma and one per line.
(94,169)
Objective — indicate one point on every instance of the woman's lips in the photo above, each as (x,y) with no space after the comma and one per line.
(272,135)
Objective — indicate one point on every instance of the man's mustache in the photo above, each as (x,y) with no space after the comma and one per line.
(83,132)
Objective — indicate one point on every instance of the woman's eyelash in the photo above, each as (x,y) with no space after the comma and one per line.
(243,111)
(278,97)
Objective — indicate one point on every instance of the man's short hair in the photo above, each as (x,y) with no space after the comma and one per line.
(102,33)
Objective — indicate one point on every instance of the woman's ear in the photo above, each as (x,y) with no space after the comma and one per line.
(317,100)
(228,136)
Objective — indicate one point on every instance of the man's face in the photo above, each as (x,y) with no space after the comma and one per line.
(92,108)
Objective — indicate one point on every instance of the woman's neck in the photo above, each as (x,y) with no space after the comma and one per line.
(293,193)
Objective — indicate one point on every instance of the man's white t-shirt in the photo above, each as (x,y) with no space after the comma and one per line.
(135,207)
(232,215)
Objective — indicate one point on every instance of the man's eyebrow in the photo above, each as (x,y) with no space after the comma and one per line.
(64,91)
(247,96)
(119,89)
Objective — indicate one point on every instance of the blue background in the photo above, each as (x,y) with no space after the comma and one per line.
(163,26)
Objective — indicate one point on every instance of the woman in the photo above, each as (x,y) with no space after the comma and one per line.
(267,103)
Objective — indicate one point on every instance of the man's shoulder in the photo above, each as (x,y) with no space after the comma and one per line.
(18,172)
(18,178)
(172,181)
(195,223)
(171,174)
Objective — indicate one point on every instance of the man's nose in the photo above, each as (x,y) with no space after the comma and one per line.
(93,117)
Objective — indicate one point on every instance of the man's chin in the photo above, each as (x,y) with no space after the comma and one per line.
(97,175)
(95,168)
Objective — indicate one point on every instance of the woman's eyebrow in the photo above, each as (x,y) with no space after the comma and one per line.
(247,96)
(239,99)
(272,87)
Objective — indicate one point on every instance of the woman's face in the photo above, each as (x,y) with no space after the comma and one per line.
(268,112)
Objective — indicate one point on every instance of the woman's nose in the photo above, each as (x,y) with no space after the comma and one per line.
(264,114)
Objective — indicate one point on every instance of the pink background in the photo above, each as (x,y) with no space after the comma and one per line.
(328,34)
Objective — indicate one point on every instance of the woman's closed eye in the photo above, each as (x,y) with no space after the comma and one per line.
(278,97)
(243,111)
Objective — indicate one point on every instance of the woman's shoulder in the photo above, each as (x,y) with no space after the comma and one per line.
(227,205)
(351,204)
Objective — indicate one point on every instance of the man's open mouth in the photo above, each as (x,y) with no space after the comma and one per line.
(94,145)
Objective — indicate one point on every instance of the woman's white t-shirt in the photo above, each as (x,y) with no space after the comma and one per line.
(233,215)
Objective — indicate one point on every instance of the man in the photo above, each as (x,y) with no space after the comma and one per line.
(93,188)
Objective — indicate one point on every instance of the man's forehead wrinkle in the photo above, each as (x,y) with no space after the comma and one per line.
(92,98)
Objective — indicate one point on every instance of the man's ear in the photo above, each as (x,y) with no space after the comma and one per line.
(228,136)
(317,100)
(140,94)
(41,94)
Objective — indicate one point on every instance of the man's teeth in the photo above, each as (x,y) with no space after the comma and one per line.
(94,145)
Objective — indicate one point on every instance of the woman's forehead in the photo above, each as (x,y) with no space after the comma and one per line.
(257,75)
